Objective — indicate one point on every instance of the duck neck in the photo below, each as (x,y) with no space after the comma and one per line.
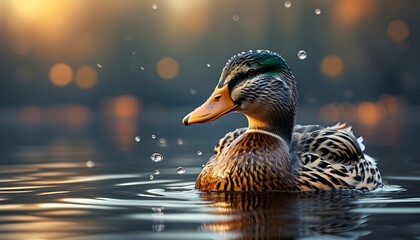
(280,123)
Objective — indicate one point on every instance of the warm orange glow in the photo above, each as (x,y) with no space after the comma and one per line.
(398,30)
(332,66)
(124,107)
(329,113)
(369,113)
(349,12)
(167,68)
(86,77)
(61,74)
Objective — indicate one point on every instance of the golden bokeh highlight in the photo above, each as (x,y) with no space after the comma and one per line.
(167,68)
(369,113)
(122,107)
(332,66)
(350,12)
(398,30)
(30,115)
(61,74)
(86,77)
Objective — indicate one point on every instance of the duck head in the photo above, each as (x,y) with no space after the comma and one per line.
(258,84)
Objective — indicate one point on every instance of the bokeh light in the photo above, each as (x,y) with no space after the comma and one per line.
(329,113)
(398,30)
(61,74)
(167,68)
(122,107)
(369,113)
(86,77)
(332,66)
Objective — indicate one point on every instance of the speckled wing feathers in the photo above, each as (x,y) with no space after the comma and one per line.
(330,158)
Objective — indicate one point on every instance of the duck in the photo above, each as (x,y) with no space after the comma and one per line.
(274,153)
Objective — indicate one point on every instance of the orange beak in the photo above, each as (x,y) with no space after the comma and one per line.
(218,104)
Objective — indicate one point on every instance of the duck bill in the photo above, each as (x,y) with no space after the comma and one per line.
(218,104)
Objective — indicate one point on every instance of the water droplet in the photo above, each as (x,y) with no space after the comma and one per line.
(142,68)
(153,136)
(199,153)
(301,54)
(235,18)
(162,142)
(151,177)
(154,6)
(180,141)
(133,53)
(90,164)
(156,157)
(137,139)
(287,4)
(258,51)
(208,65)
(317,11)
(193,91)
(157,172)
(99,65)
(203,165)
(180,170)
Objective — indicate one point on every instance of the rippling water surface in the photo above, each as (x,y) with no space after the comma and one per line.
(63,182)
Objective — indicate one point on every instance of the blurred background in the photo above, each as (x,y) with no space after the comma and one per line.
(121,69)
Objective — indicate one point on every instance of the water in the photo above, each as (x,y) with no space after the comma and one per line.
(48,191)
(301,54)
(156,157)
(287,4)
(317,11)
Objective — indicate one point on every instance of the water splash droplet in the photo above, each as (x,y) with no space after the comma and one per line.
(156,157)
(137,139)
(317,11)
(208,65)
(202,166)
(193,91)
(157,172)
(153,136)
(162,142)
(287,4)
(151,177)
(180,141)
(90,164)
(301,54)
(99,65)
(235,18)
(154,6)
(142,68)
(199,153)
(180,170)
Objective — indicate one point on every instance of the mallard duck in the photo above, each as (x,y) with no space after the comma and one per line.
(272,153)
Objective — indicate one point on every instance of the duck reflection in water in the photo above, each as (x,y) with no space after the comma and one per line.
(284,215)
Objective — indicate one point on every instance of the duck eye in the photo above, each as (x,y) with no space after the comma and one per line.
(217,98)
(251,72)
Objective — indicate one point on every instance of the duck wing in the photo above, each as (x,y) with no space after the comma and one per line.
(336,144)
